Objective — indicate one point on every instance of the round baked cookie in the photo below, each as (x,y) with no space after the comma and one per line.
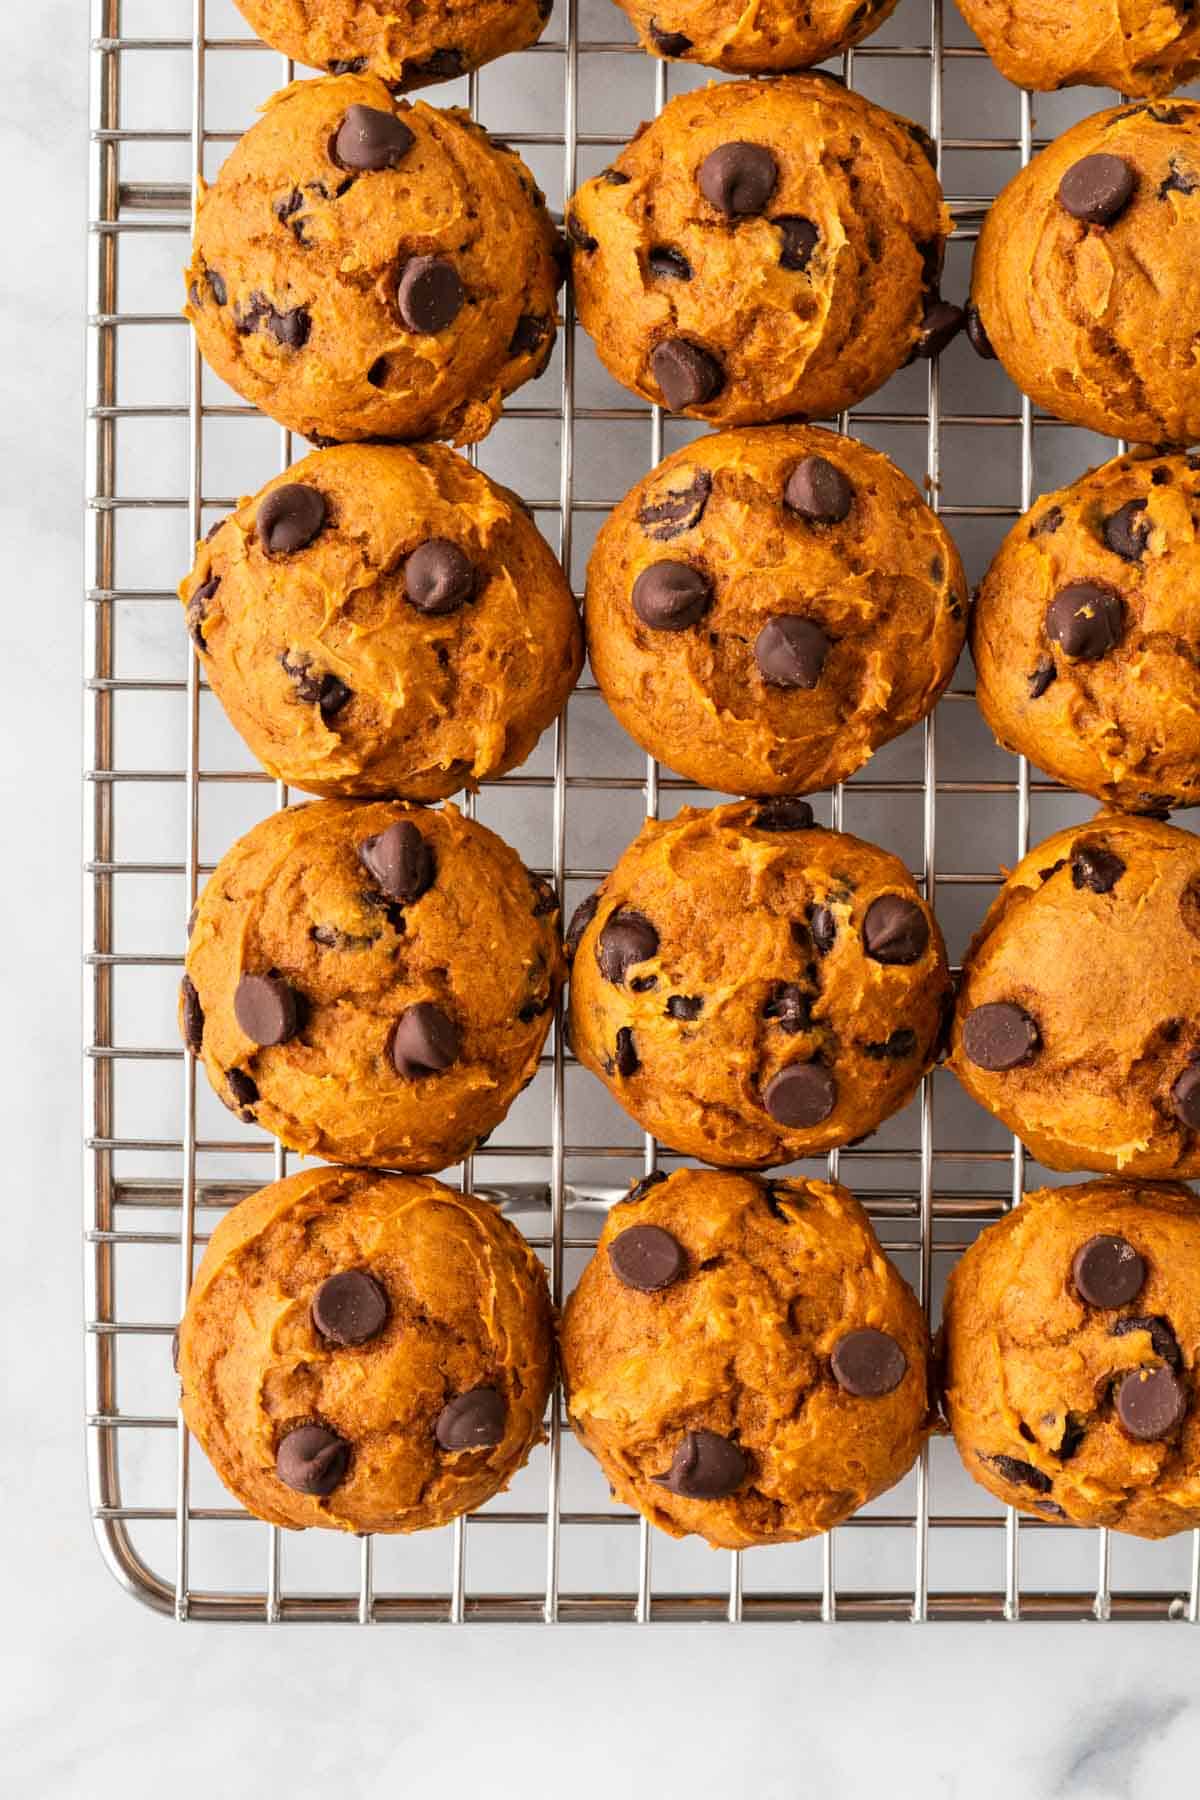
(384,620)
(1084,277)
(774,38)
(366,1352)
(743,1360)
(763,250)
(1086,634)
(767,607)
(1135,46)
(753,988)
(1069,1341)
(369,267)
(372,982)
(408,45)
(1078,1015)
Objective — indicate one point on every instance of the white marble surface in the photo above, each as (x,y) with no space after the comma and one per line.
(98,1698)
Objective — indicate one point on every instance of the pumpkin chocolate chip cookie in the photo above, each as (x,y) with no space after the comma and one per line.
(1070,1339)
(1140,47)
(366,1352)
(384,620)
(1085,272)
(372,982)
(766,608)
(773,38)
(753,988)
(366,267)
(407,43)
(763,250)
(1086,634)
(742,1358)
(1078,1017)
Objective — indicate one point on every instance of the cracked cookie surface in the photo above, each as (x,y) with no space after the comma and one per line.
(753,988)
(771,38)
(761,250)
(1078,1015)
(775,1378)
(384,620)
(366,1352)
(1114,711)
(1085,273)
(1070,1336)
(372,982)
(407,43)
(1139,47)
(828,615)
(368,267)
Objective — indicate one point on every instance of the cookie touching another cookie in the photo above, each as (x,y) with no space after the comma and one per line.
(1141,49)
(407,48)
(774,38)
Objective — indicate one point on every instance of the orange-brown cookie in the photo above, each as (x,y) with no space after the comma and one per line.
(384,620)
(1135,46)
(1070,1340)
(753,988)
(407,43)
(763,250)
(1086,634)
(1078,1014)
(366,1352)
(742,1358)
(766,608)
(1085,274)
(772,38)
(372,982)
(366,267)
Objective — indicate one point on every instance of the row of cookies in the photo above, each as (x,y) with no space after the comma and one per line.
(371,1352)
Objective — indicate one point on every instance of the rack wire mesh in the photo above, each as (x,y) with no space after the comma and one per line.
(169,787)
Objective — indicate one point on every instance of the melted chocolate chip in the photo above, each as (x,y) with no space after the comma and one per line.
(628,938)
(641,1188)
(1185,1097)
(684,1006)
(1151,1403)
(244,1092)
(817,491)
(1043,677)
(738,179)
(290,517)
(582,240)
(940,325)
(895,930)
(705,1466)
(671,596)
(347,65)
(999,1036)
(669,43)
(647,1258)
(191,1016)
(781,813)
(801,1095)
(531,331)
(1162,1337)
(581,918)
(868,1363)
(1127,531)
(399,861)
(424,1041)
(472,1421)
(1108,1271)
(290,327)
(789,1007)
(312,1460)
(616,178)
(350,1308)
(327,691)
(1097,189)
(981,343)
(668,264)
(823,926)
(1050,522)
(799,238)
(439,65)
(626,1059)
(686,374)
(197,608)
(267,1009)
(438,577)
(681,510)
(1179,180)
(1095,868)
(430,295)
(1086,619)
(900,1044)
(368,140)
(1021,1474)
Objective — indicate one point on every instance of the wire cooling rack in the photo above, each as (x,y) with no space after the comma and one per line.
(174,82)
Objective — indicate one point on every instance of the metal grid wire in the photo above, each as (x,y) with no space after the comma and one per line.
(157,1175)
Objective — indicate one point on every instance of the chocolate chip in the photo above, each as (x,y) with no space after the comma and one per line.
(643,984)
(686,374)
(647,1258)
(680,511)
(668,264)
(784,814)
(669,43)
(290,329)
(267,1009)
(424,1041)
(999,1036)
(289,518)
(1097,189)
(789,1007)
(545,895)
(325,691)
(868,1363)
(818,491)
(1050,522)
(738,179)
(439,65)
(1051,1508)
(895,930)
(1043,677)
(350,1308)
(1021,1474)
(684,1006)
(1185,1097)
(191,1016)
(430,295)
(1127,532)
(791,652)
(900,1044)
(197,610)
(175,1349)
(377,374)
(1163,1341)
(626,1060)
(1151,1403)
(1048,874)
(981,343)
(1095,868)
(705,1466)
(347,65)
(531,331)
(368,139)
(581,918)
(581,238)
(1086,619)
(641,1188)
(616,178)
(801,1095)
(438,577)
(823,926)
(244,1091)
(472,1421)
(627,938)
(312,1460)
(1179,180)
(1072,1437)
(400,861)
(1108,1271)
(800,238)
(940,325)
(671,596)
